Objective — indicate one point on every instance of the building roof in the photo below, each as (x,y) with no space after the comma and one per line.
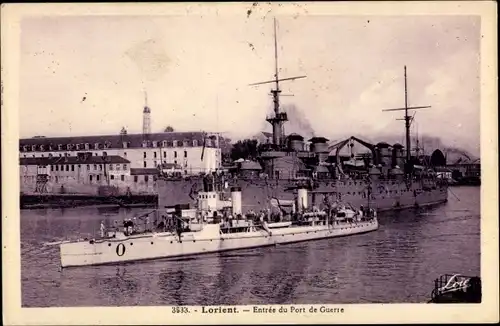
(116,141)
(144,171)
(110,159)
(170,166)
(250,165)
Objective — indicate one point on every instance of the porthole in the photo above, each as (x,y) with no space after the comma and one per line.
(131,243)
(109,244)
(171,242)
(151,242)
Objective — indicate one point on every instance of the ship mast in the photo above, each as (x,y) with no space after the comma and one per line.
(408,120)
(279,118)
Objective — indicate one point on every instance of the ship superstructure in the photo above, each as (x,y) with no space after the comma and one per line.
(386,175)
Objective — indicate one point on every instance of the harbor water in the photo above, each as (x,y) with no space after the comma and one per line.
(396,264)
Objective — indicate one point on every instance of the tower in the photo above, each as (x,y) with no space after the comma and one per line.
(146,116)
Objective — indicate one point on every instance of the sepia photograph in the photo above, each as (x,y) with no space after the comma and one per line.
(250,160)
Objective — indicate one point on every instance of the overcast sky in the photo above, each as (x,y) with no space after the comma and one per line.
(196,70)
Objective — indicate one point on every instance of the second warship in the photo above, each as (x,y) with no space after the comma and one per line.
(386,175)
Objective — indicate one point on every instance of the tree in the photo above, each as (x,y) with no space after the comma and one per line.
(245,149)
(169,129)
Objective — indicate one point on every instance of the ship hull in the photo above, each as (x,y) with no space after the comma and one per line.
(208,240)
(385,195)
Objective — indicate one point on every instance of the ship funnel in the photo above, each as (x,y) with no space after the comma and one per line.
(236,200)
(301,199)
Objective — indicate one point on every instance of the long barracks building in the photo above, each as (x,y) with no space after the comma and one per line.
(132,163)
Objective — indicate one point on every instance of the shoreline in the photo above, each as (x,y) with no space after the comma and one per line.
(31,201)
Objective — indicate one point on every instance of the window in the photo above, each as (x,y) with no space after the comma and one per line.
(96,146)
(185,143)
(79,166)
(174,143)
(95,167)
(175,162)
(97,177)
(118,167)
(57,167)
(175,153)
(195,142)
(154,164)
(100,167)
(50,155)
(112,177)
(104,153)
(122,177)
(124,167)
(164,143)
(51,168)
(41,155)
(155,143)
(88,167)
(125,154)
(154,154)
(67,167)
(77,147)
(185,154)
(90,178)
(144,163)
(72,168)
(60,155)
(164,154)
(146,179)
(59,147)
(111,167)
(145,154)
(144,144)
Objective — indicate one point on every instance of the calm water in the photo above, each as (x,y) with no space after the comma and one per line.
(397,263)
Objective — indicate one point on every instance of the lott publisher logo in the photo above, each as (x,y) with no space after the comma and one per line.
(455,283)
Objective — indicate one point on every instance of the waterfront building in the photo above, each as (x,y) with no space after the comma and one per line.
(182,153)
(72,174)
(194,152)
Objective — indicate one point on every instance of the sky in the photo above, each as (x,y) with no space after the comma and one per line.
(85,75)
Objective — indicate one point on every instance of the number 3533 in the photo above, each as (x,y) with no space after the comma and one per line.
(180,310)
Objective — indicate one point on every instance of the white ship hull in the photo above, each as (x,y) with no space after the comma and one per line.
(208,240)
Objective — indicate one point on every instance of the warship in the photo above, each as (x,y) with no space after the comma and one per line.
(387,175)
(216,224)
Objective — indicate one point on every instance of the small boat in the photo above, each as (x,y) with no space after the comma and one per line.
(215,225)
